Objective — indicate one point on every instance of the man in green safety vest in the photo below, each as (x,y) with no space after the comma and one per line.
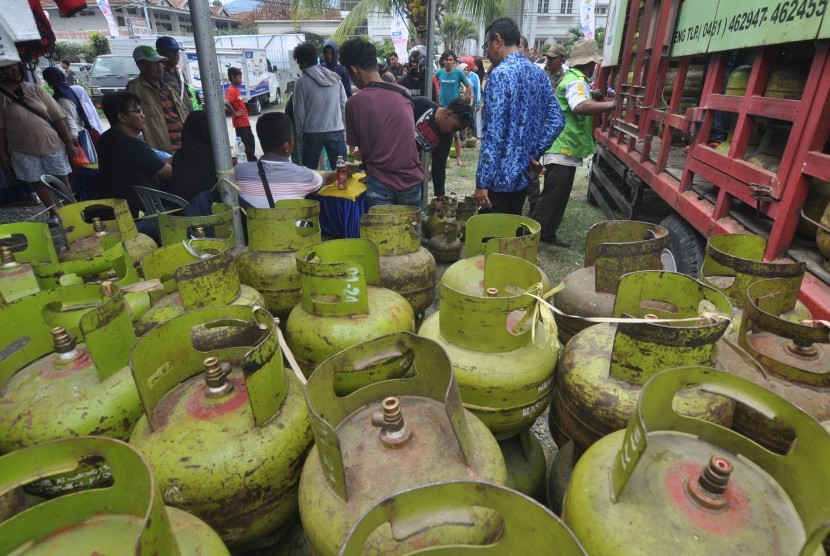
(575,143)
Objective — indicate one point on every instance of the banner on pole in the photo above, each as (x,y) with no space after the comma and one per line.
(586,18)
(400,36)
(104,6)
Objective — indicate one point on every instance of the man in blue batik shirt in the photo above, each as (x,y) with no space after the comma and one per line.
(521,120)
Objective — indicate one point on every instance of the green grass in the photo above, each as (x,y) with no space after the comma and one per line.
(579,216)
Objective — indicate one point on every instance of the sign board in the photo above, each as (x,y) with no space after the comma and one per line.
(717,25)
(137,26)
(614,31)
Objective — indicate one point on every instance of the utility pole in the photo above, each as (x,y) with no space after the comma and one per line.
(200,15)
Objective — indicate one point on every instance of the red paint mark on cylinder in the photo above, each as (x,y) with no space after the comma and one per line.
(203,408)
(53,369)
(736,515)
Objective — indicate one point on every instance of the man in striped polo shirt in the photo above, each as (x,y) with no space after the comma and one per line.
(164,111)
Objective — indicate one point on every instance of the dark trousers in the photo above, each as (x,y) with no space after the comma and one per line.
(550,208)
(506,203)
(313,143)
(533,194)
(248,140)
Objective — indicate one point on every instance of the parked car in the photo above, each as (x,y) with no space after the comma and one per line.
(82,71)
(110,74)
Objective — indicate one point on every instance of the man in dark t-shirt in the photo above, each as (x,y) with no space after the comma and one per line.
(380,123)
(124,160)
(434,129)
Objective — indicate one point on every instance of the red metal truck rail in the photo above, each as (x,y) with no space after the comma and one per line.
(720,191)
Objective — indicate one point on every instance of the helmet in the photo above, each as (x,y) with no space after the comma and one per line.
(418,49)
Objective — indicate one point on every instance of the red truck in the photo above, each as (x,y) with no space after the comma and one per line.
(720,126)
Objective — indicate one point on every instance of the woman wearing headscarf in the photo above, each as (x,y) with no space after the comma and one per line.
(76,118)
(194,168)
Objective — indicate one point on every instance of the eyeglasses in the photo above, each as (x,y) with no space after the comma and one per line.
(486,44)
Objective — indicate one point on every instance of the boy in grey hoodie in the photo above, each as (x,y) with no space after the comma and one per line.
(319,108)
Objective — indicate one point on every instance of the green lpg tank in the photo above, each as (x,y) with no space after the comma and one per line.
(671,484)
(23,244)
(387,437)
(127,516)
(175,228)
(194,274)
(503,349)
(56,387)
(225,429)
(274,236)
(343,305)
(733,262)
(612,248)
(87,223)
(405,266)
(605,366)
(528,528)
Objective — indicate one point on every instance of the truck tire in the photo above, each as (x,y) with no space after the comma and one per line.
(255,106)
(685,248)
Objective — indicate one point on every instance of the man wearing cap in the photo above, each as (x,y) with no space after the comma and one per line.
(575,143)
(172,73)
(554,66)
(521,120)
(165,113)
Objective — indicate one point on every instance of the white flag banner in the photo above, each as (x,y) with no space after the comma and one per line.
(400,36)
(586,18)
(104,6)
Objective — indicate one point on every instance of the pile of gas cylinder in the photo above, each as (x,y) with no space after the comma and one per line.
(188,399)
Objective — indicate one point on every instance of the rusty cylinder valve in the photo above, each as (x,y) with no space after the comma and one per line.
(199,233)
(709,489)
(99,227)
(216,378)
(64,343)
(7,257)
(393,430)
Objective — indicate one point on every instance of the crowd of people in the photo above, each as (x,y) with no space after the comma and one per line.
(534,127)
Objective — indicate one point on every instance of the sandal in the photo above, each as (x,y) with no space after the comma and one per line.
(461,164)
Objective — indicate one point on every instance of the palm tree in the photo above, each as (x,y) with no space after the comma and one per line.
(575,33)
(455,30)
(415,11)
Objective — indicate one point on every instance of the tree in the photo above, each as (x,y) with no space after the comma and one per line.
(65,50)
(96,46)
(414,11)
(455,30)
(575,33)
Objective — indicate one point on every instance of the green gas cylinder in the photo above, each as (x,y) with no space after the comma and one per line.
(526,466)
(604,366)
(274,236)
(818,199)
(21,245)
(612,248)
(467,208)
(794,358)
(503,349)
(127,516)
(86,223)
(405,266)
(387,437)
(175,228)
(736,85)
(676,484)
(733,262)
(225,429)
(823,236)
(446,246)
(55,387)
(343,305)
(194,274)
(111,262)
(528,528)
(433,222)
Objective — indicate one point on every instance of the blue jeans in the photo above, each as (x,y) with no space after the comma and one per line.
(379,194)
(313,143)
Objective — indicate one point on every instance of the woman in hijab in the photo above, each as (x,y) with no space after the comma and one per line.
(76,118)
(194,168)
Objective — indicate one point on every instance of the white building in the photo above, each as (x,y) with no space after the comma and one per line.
(541,21)
(164,17)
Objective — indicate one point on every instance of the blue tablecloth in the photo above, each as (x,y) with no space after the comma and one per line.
(340,210)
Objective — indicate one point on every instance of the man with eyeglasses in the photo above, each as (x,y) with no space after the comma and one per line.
(124,160)
(521,119)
